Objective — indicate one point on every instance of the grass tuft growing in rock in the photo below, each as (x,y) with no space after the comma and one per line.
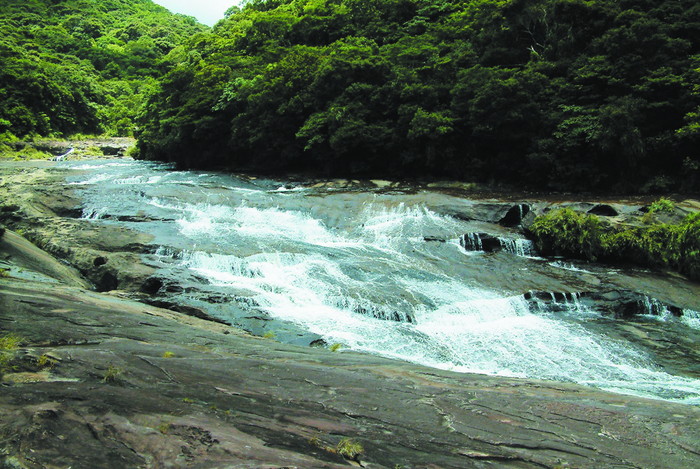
(112,374)
(9,343)
(335,347)
(349,448)
(45,361)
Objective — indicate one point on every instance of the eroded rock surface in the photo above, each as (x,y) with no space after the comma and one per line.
(100,380)
(134,385)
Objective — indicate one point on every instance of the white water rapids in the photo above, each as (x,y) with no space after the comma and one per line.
(355,268)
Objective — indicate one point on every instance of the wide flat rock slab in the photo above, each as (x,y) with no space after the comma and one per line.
(137,386)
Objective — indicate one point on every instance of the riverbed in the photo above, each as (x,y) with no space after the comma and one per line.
(388,269)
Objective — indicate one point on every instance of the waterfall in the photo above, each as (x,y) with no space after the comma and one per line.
(489,243)
(471,242)
(519,247)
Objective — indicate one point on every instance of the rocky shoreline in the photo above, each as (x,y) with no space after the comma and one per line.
(114,147)
(99,379)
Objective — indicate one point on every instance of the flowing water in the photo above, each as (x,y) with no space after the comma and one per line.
(379,271)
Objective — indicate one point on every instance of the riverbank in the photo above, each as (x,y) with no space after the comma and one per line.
(45,148)
(100,380)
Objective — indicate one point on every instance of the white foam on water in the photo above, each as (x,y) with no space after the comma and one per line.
(139,180)
(333,281)
(519,247)
(391,226)
(466,329)
(568,266)
(89,166)
(691,318)
(95,179)
(94,213)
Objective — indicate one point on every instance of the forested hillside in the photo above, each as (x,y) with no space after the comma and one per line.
(560,94)
(69,66)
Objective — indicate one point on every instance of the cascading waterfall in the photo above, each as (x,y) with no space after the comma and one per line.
(486,242)
(519,247)
(472,242)
(356,269)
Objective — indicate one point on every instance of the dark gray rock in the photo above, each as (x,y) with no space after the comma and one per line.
(481,242)
(221,399)
(603,210)
(514,216)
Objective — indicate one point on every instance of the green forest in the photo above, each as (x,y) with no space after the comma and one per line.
(83,66)
(559,94)
(573,95)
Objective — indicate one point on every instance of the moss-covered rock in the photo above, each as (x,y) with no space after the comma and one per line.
(659,245)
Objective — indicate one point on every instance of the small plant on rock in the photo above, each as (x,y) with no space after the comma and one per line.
(8,345)
(45,361)
(335,347)
(112,374)
(349,449)
(10,342)
(168,354)
(164,428)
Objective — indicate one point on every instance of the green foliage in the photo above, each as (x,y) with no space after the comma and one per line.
(26,153)
(9,343)
(563,94)
(112,374)
(82,65)
(164,428)
(662,205)
(45,361)
(168,354)
(349,448)
(659,245)
(566,232)
(335,347)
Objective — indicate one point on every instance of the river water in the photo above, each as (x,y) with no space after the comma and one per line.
(377,270)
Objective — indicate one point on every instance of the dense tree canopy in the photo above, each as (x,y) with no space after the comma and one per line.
(85,66)
(565,94)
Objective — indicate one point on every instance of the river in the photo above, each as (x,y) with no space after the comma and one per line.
(377,269)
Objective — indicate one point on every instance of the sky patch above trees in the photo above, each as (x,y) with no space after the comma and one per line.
(206,11)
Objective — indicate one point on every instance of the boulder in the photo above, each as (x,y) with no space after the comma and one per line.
(604,210)
(481,242)
(514,215)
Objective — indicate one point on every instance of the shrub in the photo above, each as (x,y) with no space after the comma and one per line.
(662,205)
(565,232)
(689,247)
(672,246)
